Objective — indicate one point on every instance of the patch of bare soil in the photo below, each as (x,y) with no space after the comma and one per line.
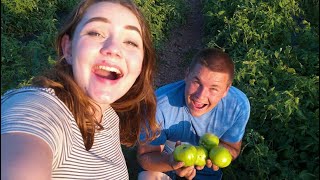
(183,42)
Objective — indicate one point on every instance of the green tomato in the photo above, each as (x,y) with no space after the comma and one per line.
(209,141)
(220,156)
(186,153)
(202,156)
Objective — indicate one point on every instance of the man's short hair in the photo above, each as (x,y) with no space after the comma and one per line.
(214,59)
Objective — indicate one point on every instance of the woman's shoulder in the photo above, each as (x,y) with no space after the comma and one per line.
(35,102)
(36,111)
(27,93)
(31,94)
(28,89)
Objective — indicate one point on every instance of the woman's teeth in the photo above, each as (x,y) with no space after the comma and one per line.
(107,72)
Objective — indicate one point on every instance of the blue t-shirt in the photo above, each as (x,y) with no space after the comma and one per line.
(227,119)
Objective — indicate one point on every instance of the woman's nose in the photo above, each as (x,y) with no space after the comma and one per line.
(111,47)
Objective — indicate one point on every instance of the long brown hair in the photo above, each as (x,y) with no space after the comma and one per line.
(136,108)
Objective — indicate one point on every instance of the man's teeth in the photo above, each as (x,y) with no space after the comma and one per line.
(111,69)
(198,105)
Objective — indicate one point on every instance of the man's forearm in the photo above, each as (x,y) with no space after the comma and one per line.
(155,161)
(234,148)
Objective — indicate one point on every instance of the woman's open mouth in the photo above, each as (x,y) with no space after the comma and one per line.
(106,72)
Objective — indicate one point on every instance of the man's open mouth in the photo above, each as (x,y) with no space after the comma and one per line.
(198,105)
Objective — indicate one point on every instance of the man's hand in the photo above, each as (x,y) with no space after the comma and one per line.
(199,168)
(211,165)
(234,149)
(178,167)
(187,172)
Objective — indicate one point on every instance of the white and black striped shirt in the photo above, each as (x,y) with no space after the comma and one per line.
(38,111)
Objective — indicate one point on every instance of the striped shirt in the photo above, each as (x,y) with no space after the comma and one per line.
(38,111)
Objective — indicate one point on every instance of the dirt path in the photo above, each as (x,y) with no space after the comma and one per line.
(182,43)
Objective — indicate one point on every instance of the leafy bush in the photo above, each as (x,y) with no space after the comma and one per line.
(311,11)
(277,62)
(162,16)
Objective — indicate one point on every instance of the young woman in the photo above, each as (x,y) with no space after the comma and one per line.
(71,122)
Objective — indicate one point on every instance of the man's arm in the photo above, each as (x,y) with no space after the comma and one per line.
(152,158)
(234,148)
(25,156)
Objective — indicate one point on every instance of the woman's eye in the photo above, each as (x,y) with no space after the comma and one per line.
(94,34)
(132,43)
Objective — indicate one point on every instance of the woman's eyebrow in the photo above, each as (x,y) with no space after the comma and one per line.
(101,19)
(134,28)
(106,20)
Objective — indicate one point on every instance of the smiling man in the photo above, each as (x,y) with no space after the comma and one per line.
(204,102)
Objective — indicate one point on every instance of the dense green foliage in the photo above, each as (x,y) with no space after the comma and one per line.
(28,29)
(276,51)
(162,16)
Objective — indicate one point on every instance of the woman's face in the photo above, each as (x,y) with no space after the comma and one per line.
(106,52)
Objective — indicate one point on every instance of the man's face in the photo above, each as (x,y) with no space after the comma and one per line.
(204,89)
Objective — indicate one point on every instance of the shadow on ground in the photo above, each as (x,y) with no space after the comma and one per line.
(131,160)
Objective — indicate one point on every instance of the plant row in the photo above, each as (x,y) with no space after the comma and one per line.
(276,51)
